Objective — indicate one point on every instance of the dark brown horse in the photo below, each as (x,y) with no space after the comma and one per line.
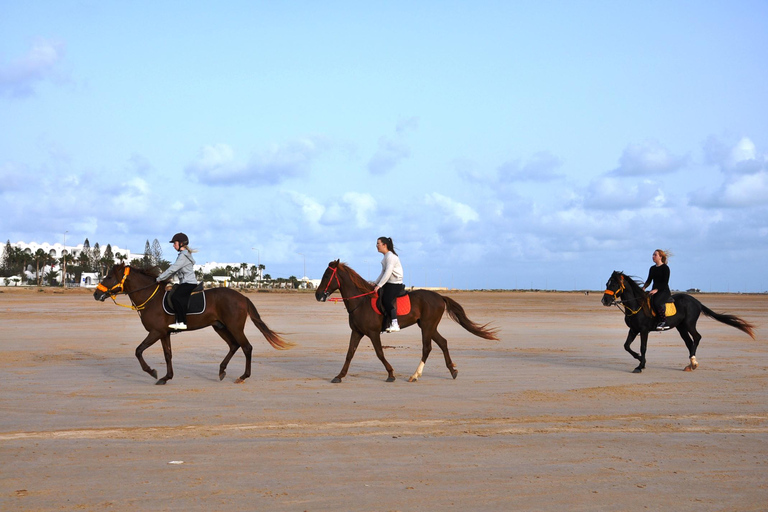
(638,315)
(226,311)
(427,308)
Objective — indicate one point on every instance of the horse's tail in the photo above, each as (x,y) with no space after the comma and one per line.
(731,320)
(457,314)
(272,337)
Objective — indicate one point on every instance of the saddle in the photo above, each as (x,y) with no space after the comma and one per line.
(196,301)
(402,302)
(671,309)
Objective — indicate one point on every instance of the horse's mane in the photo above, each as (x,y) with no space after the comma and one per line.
(636,285)
(152,272)
(357,280)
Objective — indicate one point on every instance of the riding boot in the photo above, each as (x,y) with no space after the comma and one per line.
(662,313)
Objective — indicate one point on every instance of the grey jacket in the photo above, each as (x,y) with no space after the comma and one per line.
(183,268)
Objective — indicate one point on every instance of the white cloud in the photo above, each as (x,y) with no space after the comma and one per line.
(608,193)
(312,210)
(19,78)
(389,153)
(742,157)
(362,206)
(648,158)
(218,165)
(541,166)
(451,208)
(744,191)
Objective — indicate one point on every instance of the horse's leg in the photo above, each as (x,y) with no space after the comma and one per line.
(150,340)
(426,348)
(443,344)
(354,341)
(166,341)
(247,351)
(376,340)
(692,343)
(233,346)
(628,347)
(643,347)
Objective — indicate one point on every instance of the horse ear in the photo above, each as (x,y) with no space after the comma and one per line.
(334,264)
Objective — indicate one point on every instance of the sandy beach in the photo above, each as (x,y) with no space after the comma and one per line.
(549,418)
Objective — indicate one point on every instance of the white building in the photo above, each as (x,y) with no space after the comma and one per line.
(58,250)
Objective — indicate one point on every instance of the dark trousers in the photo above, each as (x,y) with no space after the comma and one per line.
(389,293)
(180,300)
(659,302)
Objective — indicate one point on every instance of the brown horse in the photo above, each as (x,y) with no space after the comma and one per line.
(226,311)
(427,308)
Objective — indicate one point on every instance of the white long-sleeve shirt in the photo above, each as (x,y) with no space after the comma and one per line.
(391,270)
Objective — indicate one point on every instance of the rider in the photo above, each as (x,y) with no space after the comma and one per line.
(183,268)
(390,281)
(660,293)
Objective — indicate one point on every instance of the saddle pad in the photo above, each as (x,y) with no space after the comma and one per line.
(196,304)
(671,310)
(403,305)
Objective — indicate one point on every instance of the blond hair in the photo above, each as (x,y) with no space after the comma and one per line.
(664,255)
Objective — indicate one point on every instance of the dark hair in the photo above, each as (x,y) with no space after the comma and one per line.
(388,242)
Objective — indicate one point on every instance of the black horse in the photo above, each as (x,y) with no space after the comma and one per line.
(639,316)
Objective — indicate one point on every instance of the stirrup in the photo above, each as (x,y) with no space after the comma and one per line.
(180,326)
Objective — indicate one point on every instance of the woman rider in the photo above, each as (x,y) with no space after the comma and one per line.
(390,281)
(184,269)
(660,293)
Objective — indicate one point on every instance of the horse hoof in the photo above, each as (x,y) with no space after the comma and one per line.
(153,373)
(413,379)
(222,375)
(637,370)
(336,380)
(454,373)
(161,382)
(688,369)
(239,380)
(390,379)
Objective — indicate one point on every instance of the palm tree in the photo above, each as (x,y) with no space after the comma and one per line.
(39,256)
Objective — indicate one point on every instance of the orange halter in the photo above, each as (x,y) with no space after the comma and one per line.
(119,285)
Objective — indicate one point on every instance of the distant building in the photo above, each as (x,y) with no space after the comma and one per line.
(58,250)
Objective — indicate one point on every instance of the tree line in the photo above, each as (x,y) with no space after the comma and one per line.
(17,261)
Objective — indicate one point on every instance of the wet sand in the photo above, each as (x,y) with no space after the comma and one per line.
(550,418)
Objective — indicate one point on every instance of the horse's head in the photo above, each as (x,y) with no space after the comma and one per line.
(113,283)
(613,288)
(329,283)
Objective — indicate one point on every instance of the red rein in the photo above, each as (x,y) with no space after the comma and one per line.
(338,282)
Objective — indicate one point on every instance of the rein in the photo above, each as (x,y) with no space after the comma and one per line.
(338,282)
(120,287)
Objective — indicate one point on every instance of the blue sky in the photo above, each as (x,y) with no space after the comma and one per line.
(500,144)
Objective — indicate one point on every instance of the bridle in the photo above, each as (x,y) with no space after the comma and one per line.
(622,303)
(338,282)
(120,288)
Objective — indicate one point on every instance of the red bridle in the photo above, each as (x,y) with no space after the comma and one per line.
(328,284)
(338,282)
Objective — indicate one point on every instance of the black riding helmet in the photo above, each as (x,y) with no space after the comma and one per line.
(181,238)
